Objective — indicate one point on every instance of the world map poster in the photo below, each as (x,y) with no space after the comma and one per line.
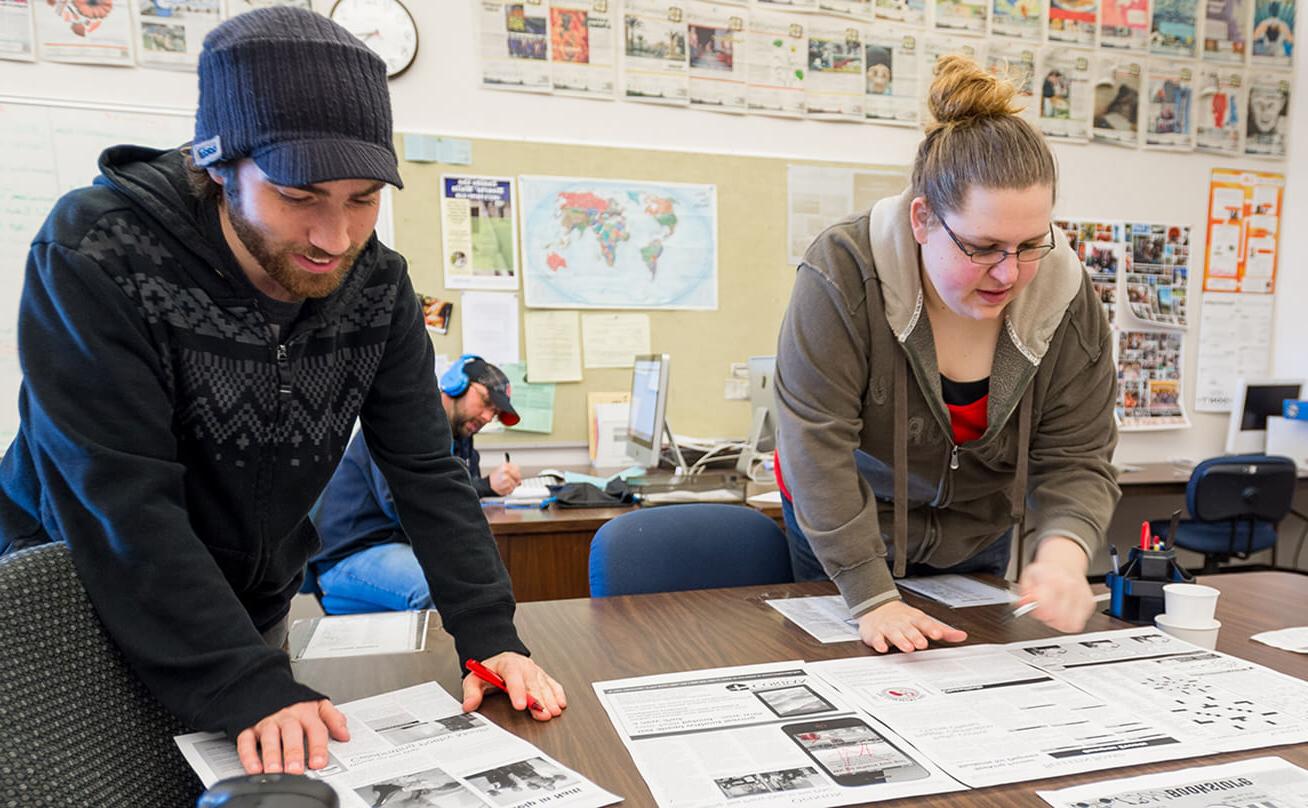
(618,244)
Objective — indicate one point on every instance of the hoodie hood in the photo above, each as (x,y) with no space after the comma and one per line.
(1031,318)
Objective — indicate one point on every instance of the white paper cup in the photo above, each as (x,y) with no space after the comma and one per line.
(1190,605)
(1204,636)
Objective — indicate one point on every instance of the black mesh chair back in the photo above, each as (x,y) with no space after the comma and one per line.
(1257,487)
(77,727)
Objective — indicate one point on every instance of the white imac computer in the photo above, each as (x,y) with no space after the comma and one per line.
(647,422)
(762,431)
(1254,401)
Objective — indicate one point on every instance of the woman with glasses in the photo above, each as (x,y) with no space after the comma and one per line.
(944,373)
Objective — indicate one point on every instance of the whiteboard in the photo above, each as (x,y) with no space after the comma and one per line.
(46,151)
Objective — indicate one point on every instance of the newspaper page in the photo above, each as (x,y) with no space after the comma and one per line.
(958,591)
(937,46)
(1124,24)
(1226,31)
(892,62)
(1072,22)
(1149,391)
(1207,699)
(1172,29)
(583,59)
(777,56)
(1015,62)
(1217,115)
(350,635)
(1273,33)
(1287,639)
(417,747)
(987,717)
(478,234)
(654,66)
(515,45)
(910,12)
(819,196)
(1101,246)
(16,37)
(1169,108)
(1244,215)
(858,9)
(825,618)
(1235,339)
(85,33)
(1017,19)
(769,734)
(961,16)
(718,66)
(1065,93)
(1264,782)
(787,5)
(1267,132)
(1117,89)
(170,33)
(1158,272)
(834,87)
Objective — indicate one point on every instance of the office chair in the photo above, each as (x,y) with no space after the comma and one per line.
(1235,503)
(76,725)
(678,547)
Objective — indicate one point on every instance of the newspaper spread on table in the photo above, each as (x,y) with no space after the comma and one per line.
(1266,782)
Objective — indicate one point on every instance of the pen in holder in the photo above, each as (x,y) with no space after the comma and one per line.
(1137,589)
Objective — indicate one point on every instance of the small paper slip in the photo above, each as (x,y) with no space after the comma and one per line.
(1287,639)
(957,591)
(770,498)
(825,617)
(364,634)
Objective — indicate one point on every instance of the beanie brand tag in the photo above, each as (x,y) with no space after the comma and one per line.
(207,152)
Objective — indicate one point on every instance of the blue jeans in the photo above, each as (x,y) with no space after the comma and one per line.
(991,560)
(383,578)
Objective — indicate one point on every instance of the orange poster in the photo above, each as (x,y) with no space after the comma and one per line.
(1244,228)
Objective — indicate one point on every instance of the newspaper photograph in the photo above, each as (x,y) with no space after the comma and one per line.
(1101,246)
(515,45)
(718,68)
(892,63)
(1017,19)
(776,56)
(834,86)
(1172,28)
(1265,782)
(769,734)
(1117,99)
(1226,31)
(1065,93)
(1267,128)
(1149,380)
(1158,272)
(961,16)
(1072,22)
(583,55)
(1273,33)
(1169,107)
(1217,110)
(1124,24)
(654,67)
(417,747)
(478,233)
(16,36)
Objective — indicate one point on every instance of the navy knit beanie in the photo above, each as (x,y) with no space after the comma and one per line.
(297,93)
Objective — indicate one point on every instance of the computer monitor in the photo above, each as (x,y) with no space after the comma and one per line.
(1254,401)
(762,437)
(647,420)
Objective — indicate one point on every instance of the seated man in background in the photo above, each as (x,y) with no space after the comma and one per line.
(366,563)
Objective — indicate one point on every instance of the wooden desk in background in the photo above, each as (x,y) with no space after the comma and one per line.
(585,641)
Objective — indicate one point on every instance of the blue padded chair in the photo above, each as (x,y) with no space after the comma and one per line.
(1235,503)
(678,547)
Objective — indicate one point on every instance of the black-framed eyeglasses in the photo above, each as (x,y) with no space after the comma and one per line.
(993,257)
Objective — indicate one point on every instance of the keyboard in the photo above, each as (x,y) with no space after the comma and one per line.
(534,488)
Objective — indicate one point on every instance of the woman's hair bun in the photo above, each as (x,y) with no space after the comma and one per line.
(962,92)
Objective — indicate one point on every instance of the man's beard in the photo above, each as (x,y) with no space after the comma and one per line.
(276,260)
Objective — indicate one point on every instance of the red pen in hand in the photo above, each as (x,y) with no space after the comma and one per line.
(491,678)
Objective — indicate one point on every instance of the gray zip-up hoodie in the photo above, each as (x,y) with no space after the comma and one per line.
(863,448)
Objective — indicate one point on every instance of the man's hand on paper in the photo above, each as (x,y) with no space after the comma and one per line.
(1056,580)
(524,679)
(276,744)
(908,629)
(505,478)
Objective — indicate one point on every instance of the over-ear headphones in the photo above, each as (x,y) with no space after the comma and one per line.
(454,382)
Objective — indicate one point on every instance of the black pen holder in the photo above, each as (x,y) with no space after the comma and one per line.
(1137,591)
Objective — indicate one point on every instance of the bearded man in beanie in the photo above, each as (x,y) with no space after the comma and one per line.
(198,332)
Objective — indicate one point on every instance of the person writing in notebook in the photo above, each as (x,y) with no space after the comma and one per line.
(367,563)
(944,371)
(198,333)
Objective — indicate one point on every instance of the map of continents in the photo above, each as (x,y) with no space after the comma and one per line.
(591,243)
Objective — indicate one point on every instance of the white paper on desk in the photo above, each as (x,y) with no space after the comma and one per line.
(769,498)
(957,591)
(825,617)
(1265,782)
(708,737)
(490,326)
(1287,639)
(614,340)
(553,347)
(417,742)
(367,634)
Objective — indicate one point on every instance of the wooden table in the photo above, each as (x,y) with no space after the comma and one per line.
(585,641)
